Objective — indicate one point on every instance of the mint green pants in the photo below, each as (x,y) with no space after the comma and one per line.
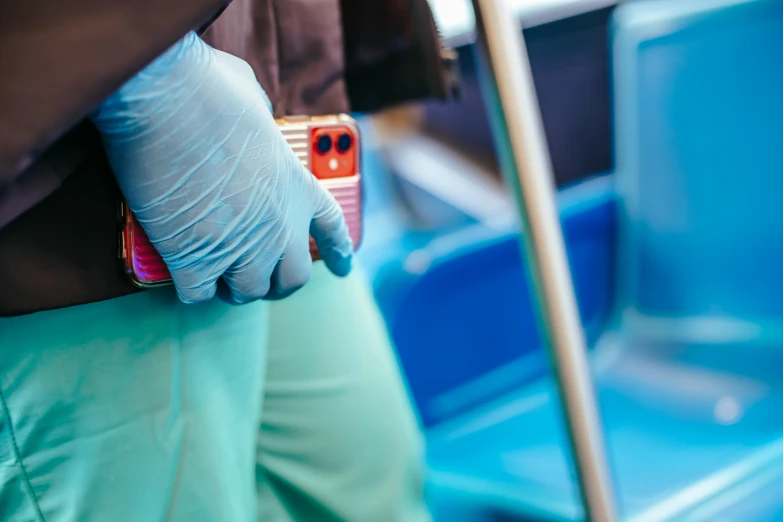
(144,409)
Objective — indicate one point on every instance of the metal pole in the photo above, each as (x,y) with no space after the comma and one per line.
(524,155)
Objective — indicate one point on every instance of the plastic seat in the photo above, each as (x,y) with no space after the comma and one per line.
(462,303)
(689,368)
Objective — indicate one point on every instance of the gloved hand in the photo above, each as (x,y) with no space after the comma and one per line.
(212,181)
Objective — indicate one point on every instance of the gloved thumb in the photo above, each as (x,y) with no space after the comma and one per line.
(330,232)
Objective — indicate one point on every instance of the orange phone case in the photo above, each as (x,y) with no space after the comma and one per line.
(329,146)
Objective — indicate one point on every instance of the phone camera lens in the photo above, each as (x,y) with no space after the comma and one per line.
(344,142)
(324,144)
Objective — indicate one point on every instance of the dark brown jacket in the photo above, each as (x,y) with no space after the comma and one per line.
(58,60)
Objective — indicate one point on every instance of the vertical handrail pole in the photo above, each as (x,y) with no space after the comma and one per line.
(523,152)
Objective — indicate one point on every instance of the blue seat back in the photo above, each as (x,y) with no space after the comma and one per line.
(699,154)
(465,327)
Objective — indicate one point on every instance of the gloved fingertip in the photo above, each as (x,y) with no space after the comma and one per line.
(276,295)
(339,261)
(199,294)
(234,297)
(246,285)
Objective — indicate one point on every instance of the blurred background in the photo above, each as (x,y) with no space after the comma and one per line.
(664,121)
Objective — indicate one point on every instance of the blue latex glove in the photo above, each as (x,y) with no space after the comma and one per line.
(202,164)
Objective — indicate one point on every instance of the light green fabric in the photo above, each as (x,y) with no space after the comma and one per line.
(144,409)
(339,441)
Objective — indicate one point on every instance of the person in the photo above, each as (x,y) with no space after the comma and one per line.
(162,405)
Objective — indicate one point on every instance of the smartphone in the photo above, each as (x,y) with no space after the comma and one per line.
(330,148)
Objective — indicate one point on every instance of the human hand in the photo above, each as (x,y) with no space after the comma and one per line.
(212,181)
